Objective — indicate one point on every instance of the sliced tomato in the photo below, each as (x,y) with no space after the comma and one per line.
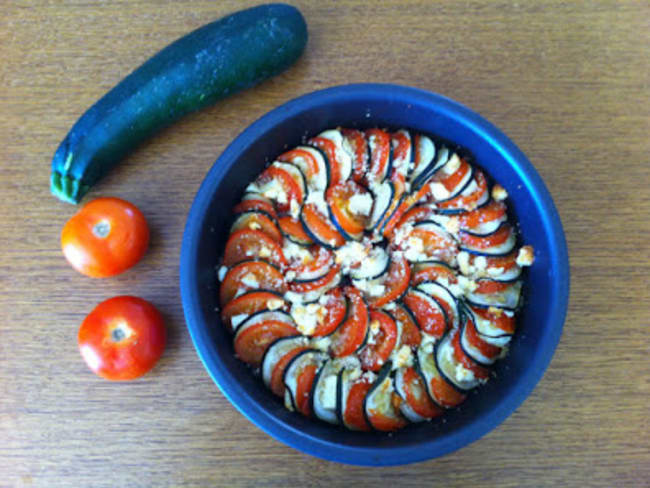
(248,304)
(445,394)
(429,316)
(396,283)
(492,211)
(289,185)
(411,335)
(432,271)
(257,220)
(389,216)
(293,228)
(507,262)
(250,344)
(359,146)
(310,161)
(329,148)
(375,354)
(498,318)
(387,423)
(401,142)
(478,370)
(336,307)
(416,395)
(450,182)
(338,198)
(353,416)
(321,227)
(277,375)
(307,286)
(303,389)
(412,214)
(353,332)
(491,286)
(313,265)
(249,244)
(255,203)
(436,244)
(259,274)
(500,236)
(471,334)
(469,201)
(380,155)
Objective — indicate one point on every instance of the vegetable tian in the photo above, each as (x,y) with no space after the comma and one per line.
(372,278)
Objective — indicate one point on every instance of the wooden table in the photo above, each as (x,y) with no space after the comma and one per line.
(568,81)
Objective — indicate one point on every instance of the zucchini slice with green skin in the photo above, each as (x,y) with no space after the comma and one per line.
(216,60)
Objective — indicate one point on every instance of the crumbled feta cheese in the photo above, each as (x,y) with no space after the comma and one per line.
(373,288)
(480,263)
(254,225)
(275,191)
(467,285)
(235,320)
(526,256)
(509,313)
(414,249)
(494,310)
(360,204)
(293,297)
(265,252)
(274,303)
(463,374)
(439,191)
(403,357)
(290,275)
(222,272)
(369,376)
(389,306)
(324,299)
(317,198)
(402,233)
(452,164)
(294,209)
(452,225)
(463,262)
(495,271)
(351,254)
(427,343)
(355,374)
(250,280)
(308,317)
(499,193)
(294,252)
(322,343)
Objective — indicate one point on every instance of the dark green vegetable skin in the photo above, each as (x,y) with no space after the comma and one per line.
(216,60)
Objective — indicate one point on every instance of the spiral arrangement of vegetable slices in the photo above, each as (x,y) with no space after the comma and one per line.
(372,278)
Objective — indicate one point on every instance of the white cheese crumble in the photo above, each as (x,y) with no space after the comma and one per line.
(452,164)
(307,317)
(526,256)
(452,225)
(466,285)
(499,193)
(374,288)
(328,393)
(322,343)
(462,258)
(292,296)
(250,280)
(222,272)
(254,225)
(274,303)
(402,233)
(294,209)
(495,271)
(389,306)
(235,320)
(403,357)
(293,251)
(360,204)
(275,191)
(439,191)
(317,198)
(352,253)
(414,249)
(463,374)
(265,252)
(290,275)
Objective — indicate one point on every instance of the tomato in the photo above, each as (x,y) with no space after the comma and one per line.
(258,274)
(251,344)
(338,198)
(248,304)
(336,309)
(248,244)
(353,416)
(290,186)
(410,332)
(122,338)
(453,180)
(416,395)
(106,237)
(387,423)
(294,229)
(445,394)
(303,388)
(375,354)
(397,281)
(496,238)
(321,226)
(492,211)
(380,154)
(428,312)
(436,243)
(257,220)
(478,370)
(296,154)
(308,286)
(469,201)
(487,286)
(471,334)
(401,142)
(255,203)
(359,147)
(498,319)
(329,149)
(277,375)
(353,332)
(432,271)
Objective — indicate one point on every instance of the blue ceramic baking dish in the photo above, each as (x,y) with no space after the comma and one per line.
(370,105)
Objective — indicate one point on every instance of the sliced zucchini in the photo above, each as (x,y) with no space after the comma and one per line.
(374,266)
(383,195)
(276,351)
(263,316)
(378,405)
(506,299)
(324,395)
(304,359)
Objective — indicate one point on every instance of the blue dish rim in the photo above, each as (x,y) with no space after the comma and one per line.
(369,456)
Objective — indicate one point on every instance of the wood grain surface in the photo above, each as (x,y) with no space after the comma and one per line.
(569,82)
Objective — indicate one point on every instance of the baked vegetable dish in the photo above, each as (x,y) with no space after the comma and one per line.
(372,278)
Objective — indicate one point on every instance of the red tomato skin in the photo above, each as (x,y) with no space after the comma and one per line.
(128,357)
(101,256)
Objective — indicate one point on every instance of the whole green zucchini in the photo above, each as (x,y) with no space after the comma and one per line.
(220,58)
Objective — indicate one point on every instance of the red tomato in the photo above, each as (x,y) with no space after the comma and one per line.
(106,237)
(122,338)
(353,416)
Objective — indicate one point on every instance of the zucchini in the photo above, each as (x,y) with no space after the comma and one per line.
(216,60)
